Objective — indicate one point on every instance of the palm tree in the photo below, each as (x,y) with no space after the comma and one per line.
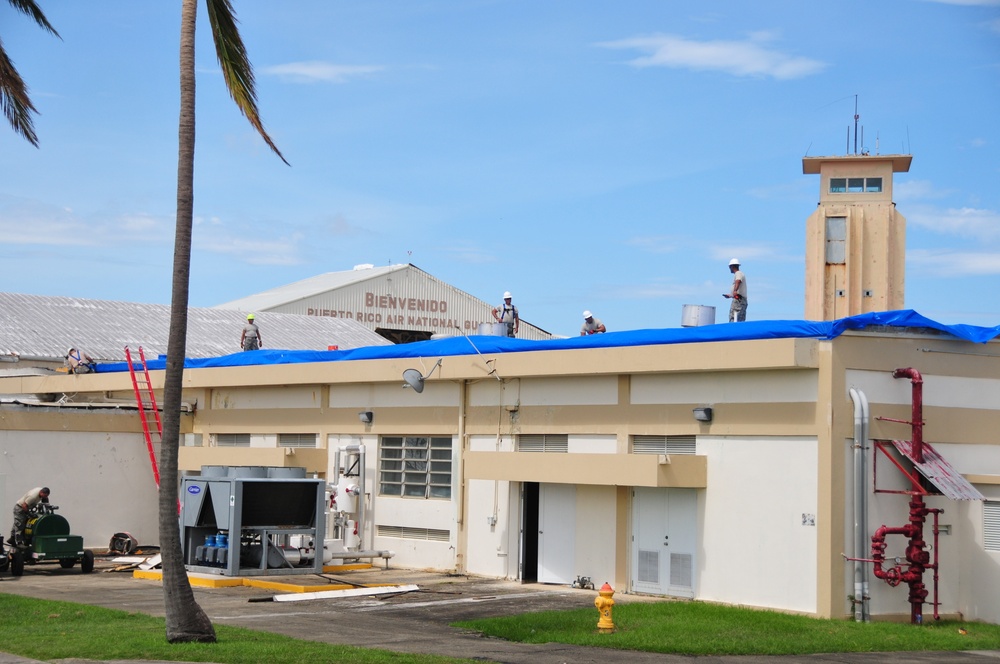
(14,97)
(185,620)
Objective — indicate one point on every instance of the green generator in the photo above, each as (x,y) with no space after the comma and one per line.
(47,538)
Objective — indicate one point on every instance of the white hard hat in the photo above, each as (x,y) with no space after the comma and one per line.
(506,294)
(735,261)
(587,314)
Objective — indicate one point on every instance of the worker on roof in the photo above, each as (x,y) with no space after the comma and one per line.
(79,362)
(738,293)
(27,503)
(507,313)
(591,325)
(250,339)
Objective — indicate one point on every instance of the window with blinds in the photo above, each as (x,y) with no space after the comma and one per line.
(232,440)
(663,445)
(297,440)
(545,442)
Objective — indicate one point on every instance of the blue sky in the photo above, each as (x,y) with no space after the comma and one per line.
(610,156)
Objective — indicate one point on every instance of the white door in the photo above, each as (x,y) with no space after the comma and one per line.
(556,532)
(664,540)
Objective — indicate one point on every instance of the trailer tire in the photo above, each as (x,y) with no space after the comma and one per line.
(87,562)
(67,563)
(16,563)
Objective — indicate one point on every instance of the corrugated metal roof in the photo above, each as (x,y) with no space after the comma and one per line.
(45,327)
(939,472)
(308,287)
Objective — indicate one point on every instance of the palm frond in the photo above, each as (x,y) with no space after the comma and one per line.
(236,67)
(14,100)
(31,8)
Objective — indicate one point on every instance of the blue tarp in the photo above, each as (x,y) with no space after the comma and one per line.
(765,329)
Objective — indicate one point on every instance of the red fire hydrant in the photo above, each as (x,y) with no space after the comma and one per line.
(603,602)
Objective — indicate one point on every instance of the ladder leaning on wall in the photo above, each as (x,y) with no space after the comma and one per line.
(146,401)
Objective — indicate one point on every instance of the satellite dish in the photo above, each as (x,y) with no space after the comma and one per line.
(414,379)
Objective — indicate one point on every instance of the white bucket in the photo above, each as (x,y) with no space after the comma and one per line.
(493,329)
(696,315)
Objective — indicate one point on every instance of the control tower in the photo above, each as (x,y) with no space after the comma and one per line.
(855,239)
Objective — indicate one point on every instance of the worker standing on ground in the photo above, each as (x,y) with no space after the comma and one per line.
(250,339)
(21,508)
(738,293)
(591,325)
(507,313)
(79,362)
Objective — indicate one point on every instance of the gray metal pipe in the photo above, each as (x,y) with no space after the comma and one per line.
(861,539)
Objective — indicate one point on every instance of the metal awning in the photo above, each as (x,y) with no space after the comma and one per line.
(939,472)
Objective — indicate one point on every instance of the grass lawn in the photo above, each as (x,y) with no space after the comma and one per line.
(47,630)
(695,628)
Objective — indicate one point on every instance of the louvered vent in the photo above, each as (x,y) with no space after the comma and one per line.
(405,532)
(663,445)
(991,525)
(543,443)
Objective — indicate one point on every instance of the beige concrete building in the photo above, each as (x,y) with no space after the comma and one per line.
(582,460)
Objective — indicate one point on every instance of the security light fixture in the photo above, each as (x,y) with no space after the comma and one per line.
(366,416)
(703,414)
(413,378)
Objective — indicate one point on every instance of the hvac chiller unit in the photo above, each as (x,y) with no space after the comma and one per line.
(240,521)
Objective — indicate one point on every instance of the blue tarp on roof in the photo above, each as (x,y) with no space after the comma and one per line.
(773,329)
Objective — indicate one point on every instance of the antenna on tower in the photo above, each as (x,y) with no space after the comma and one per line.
(856,117)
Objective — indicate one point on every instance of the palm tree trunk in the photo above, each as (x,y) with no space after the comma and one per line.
(185,619)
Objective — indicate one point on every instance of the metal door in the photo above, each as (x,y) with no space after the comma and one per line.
(556,533)
(664,540)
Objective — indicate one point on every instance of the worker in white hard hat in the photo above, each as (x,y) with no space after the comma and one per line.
(591,325)
(506,313)
(250,339)
(738,293)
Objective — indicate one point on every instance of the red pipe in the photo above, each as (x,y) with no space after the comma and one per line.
(917,410)
(917,556)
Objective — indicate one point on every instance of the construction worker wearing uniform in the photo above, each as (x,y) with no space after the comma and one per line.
(591,325)
(79,362)
(738,294)
(250,339)
(21,508)
(507,313)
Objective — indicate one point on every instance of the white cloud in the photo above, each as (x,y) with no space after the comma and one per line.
(317,71)
(946,263)
(915,190)
(740,58)
(982,225)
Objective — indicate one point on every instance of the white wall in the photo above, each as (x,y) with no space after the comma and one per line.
(103,483)
(757,549)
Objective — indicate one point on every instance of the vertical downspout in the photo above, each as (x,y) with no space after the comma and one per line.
(460,536)
(362,498)
(861,613)
(332,529)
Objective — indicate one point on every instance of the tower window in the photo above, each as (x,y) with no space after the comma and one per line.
(855,185)
(838,185)
(873,185)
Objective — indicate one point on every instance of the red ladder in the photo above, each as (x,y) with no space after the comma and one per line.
(146,400)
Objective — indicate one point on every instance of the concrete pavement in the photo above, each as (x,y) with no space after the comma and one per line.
(415,622)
